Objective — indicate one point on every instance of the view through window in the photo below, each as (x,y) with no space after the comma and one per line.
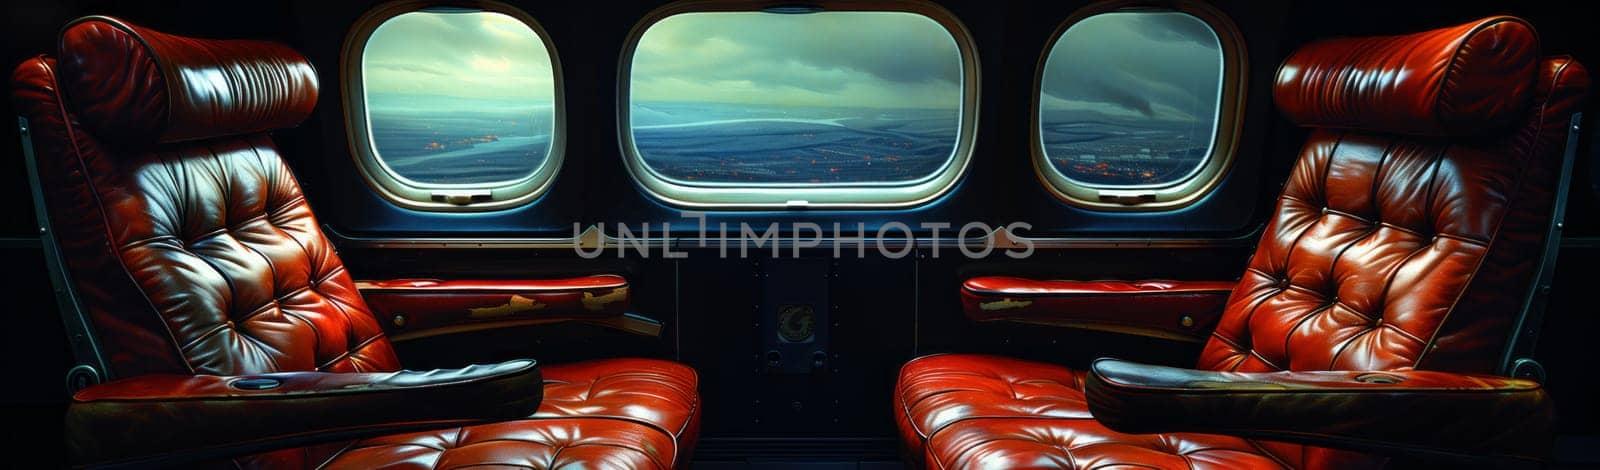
(756,98)
(1130,99)
(458,97)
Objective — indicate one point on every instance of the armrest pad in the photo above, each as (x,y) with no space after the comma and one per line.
(1425,413)
(419,308)
(1177,310)
(207,415)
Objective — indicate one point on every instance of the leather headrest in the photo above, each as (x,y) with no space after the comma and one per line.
(140,86)
(1445,82)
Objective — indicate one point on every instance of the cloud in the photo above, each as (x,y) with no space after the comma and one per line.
(476,55)
(881,59)
(1163,65)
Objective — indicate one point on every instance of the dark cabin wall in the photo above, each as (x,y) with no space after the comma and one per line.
(588,36)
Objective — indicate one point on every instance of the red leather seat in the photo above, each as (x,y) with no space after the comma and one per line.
(195,255)
(1404,240)
(624,413)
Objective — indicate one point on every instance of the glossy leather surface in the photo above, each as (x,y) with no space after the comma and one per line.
(936,391)
(1178,310)
(202,257)
(661,394)
(646,411)
(134,85)
(991,412)
(1453,81)
(412,308)
(293,385)
(196,258)
(120,420)
(1468,414)
(1386,252)
(607,413)
(1026,443)
(545,444)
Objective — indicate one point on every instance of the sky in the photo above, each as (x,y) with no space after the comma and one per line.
(472,55)
(1163,65)
(869,59)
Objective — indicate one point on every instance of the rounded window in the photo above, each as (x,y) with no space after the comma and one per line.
(453,106)
(726,107)
(1148,123)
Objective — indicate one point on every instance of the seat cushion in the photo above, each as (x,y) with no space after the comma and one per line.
(1083,443)
(657,393)
(608,413)
(935,391)
(590,443)
(980,411)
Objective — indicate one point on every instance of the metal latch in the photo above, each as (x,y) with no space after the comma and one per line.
(461,197)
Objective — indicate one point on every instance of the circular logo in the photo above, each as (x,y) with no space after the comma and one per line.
(796,323)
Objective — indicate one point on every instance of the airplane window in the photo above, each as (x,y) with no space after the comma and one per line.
(1131,124)
(457,108)
(824,108)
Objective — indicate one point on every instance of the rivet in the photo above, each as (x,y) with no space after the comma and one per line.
(400,320)
(1186,321)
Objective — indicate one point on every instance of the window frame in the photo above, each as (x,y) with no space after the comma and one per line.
(443,197)
(789,195)
(1225,141)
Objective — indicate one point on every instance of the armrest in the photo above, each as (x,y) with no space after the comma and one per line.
(419,308)
(1422,413)
(208,416)
(1177,310)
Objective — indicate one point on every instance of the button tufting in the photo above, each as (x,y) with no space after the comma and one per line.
(1407,197)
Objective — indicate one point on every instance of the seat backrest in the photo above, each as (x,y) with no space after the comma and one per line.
(186,237)
(1408,231)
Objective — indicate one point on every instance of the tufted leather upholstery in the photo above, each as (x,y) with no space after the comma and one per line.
(200,257)
(1023,443)
(609,413)
(1391,248)
(551,443)
(1387,252)
(660,394)
(980,411)
(935,391)
(194,252)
